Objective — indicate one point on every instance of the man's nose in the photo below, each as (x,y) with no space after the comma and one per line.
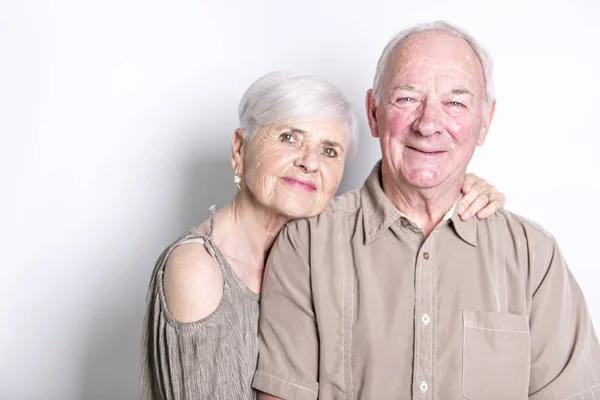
(429,119)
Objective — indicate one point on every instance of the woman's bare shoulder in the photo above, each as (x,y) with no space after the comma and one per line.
(192,282)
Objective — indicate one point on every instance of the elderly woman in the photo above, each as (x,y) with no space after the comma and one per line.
(200,330)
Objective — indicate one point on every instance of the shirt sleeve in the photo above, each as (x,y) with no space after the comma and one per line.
(288,339)
(565,354)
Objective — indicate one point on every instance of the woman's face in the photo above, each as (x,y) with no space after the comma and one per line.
(295,167)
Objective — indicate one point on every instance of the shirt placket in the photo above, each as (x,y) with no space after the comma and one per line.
(423,358)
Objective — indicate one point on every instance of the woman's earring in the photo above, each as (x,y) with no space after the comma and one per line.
(237,178)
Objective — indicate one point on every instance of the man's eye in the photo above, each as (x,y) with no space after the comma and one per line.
(456,104)
(329,152)
(287,137)
(405,100)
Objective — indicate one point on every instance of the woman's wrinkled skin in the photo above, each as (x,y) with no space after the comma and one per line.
(293,167)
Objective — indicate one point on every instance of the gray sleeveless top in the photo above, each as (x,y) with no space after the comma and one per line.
(214,358)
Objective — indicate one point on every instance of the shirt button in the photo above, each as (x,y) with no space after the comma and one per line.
(424,387)
(405,222)
(426,255)
(426,319)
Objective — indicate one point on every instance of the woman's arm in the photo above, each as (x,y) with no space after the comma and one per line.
(193,283)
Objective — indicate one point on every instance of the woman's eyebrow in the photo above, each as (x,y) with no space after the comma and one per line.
(292,129)
(326,142)
(332,143)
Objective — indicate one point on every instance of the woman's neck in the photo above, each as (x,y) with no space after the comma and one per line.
(245,231)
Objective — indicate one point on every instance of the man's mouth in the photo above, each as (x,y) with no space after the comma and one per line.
(426,152)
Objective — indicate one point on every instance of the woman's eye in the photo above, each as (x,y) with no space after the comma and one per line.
(287,137)
(329,152)
(456,104)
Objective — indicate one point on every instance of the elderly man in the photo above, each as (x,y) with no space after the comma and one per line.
(389,295)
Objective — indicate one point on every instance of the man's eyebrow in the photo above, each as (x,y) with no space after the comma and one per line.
(403,86)
(458,91)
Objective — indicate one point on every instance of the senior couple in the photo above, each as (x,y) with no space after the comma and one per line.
(392,291)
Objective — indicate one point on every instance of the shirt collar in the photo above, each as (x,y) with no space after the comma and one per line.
(379,213)
(467,230)
(447,216)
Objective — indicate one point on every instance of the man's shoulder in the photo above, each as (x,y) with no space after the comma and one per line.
(347,202)
(346,205)
(519,224)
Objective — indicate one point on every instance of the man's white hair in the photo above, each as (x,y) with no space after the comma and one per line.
(286,95)
(484,58)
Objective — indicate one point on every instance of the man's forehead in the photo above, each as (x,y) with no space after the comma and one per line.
(435,41)
(425,54)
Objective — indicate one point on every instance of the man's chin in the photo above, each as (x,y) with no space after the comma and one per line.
(424,179)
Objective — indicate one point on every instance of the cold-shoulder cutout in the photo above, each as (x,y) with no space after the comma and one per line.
(192,283)
(199,335)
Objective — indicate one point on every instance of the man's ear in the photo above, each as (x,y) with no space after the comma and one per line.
(371,106)
(485,125)
(237,150)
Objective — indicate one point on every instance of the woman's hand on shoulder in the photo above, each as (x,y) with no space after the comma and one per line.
(480,198)
(192,282)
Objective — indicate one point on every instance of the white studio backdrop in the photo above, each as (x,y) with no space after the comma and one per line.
(116,119)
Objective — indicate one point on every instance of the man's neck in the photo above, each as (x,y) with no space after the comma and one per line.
(425,207)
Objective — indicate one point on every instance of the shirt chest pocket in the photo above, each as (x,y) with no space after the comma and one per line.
(496,355)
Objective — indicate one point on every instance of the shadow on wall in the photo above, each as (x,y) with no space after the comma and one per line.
(210,183)
(200,177)
(111,366)
(358,168)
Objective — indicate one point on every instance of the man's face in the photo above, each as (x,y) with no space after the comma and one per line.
(430,114)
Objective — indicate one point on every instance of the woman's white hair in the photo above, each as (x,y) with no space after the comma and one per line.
(284,95)
(484,58)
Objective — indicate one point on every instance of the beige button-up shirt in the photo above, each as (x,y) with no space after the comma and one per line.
(358,303)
